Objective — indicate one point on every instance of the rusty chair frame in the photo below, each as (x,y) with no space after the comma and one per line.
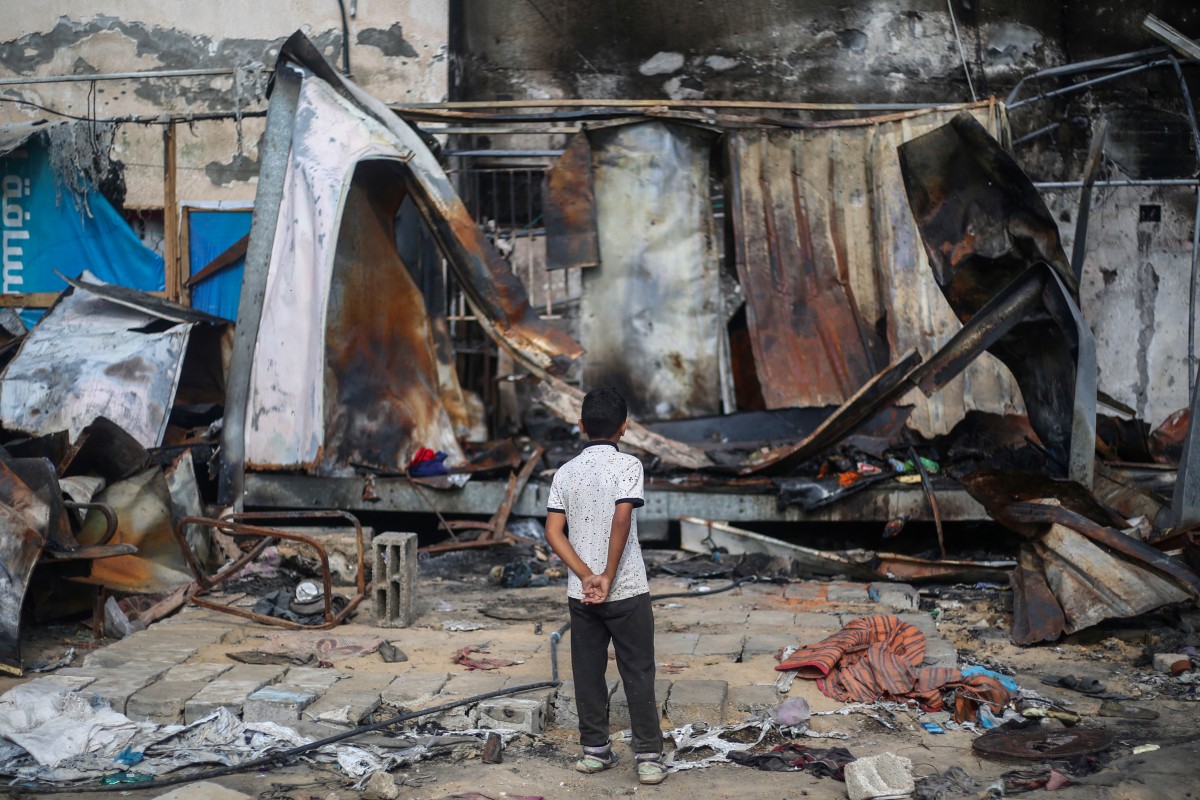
(234,524)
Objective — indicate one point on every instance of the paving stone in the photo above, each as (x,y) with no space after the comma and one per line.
(277,704)
(770,619)
(414,689)
(831,623)
(522,714)
(726,645)
(696,701)
(113,657)
(940,653)
(675,644)
(846,593)
(461,686)
(204,790)
(758,644)
(746,701)
(618,705)
(731,618)
(231,689)
(349,701)
(896,596)
(115,687)
(163,701)
(565,715)
(806,590)
(921,621)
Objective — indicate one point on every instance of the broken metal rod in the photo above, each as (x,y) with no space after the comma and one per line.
(933,503)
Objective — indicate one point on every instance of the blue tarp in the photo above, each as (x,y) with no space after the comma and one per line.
(43,229)
(210,233)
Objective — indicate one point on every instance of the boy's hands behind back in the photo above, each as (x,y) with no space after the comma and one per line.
(595,589)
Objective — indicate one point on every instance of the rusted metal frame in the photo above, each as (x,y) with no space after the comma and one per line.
(1042,513)
(495,530)
(309,516)
(1075,87)
(933,503)
(1108,62)
(270,535)
(274,150)
(110,518)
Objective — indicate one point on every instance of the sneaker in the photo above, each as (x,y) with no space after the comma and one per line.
(596,759)
(651,769)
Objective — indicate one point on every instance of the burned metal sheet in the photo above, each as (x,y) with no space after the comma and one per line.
(280,406)
(812,345)
(23,519)
(569,209)
(381,368)
(146,521)
(651,316)
(104,449)
(91,357)
(985,229)
(917,315)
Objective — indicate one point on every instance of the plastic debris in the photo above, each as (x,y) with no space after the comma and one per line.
(876,777)
(792,712)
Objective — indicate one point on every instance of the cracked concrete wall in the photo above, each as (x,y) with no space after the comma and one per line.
(398,52)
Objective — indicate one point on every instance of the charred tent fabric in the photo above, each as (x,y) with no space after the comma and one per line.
(659,266)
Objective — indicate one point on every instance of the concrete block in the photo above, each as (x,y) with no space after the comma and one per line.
(896,596)
(163,701)
(697,701)
(117,657)
(462,686)
(675,644)
(1164,661)
(74,683)
(921,621)
(231,690)
(278,703)
(618,704)
(883,775)
(747,701)
(731,619)
(203,790)
(395,578)
(846,593)
(414,689)
(722,645)
(312,678)
(521,714)
(349,701)
(940,653)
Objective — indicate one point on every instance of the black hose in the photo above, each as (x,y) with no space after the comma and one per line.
(345,39)
(279,758)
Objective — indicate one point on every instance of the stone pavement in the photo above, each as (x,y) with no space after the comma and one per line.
(716,657)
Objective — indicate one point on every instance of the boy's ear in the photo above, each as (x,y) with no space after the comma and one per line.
(582,429)
(624,425)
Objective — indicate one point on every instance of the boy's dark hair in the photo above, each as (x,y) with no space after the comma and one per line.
(603,412)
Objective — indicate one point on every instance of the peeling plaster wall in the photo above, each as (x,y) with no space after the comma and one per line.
(398,52)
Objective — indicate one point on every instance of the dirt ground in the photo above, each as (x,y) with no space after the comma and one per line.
(975,620)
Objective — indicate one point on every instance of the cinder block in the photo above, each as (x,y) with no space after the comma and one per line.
(566,715)
(280,703)
(513,713)
(394,578)
(414,689)
(697,701)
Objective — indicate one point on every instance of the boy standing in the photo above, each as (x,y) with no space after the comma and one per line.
(591,526)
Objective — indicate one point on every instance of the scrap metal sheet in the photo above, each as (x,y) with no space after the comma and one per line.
(918,315)
(569,203)
(91,357)
(797,221)
(650,317)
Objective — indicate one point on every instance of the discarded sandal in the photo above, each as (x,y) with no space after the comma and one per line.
(596,759)
(651,769)
(1126,711)
(1085,685)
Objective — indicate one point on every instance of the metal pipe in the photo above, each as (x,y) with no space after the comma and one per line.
(1075,87)
(505,153)
(1035,134)
(118,76)
(1119,183)
(610,103)
(1192,289)
(963,55)
(1120,60)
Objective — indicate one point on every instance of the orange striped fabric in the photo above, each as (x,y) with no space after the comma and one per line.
(880,658)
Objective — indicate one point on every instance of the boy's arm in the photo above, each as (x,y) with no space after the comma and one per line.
(618,536)
(556,537)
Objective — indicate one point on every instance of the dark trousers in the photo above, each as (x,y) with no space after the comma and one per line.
(629,625)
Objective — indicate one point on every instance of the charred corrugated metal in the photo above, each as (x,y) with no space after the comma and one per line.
(569,206)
